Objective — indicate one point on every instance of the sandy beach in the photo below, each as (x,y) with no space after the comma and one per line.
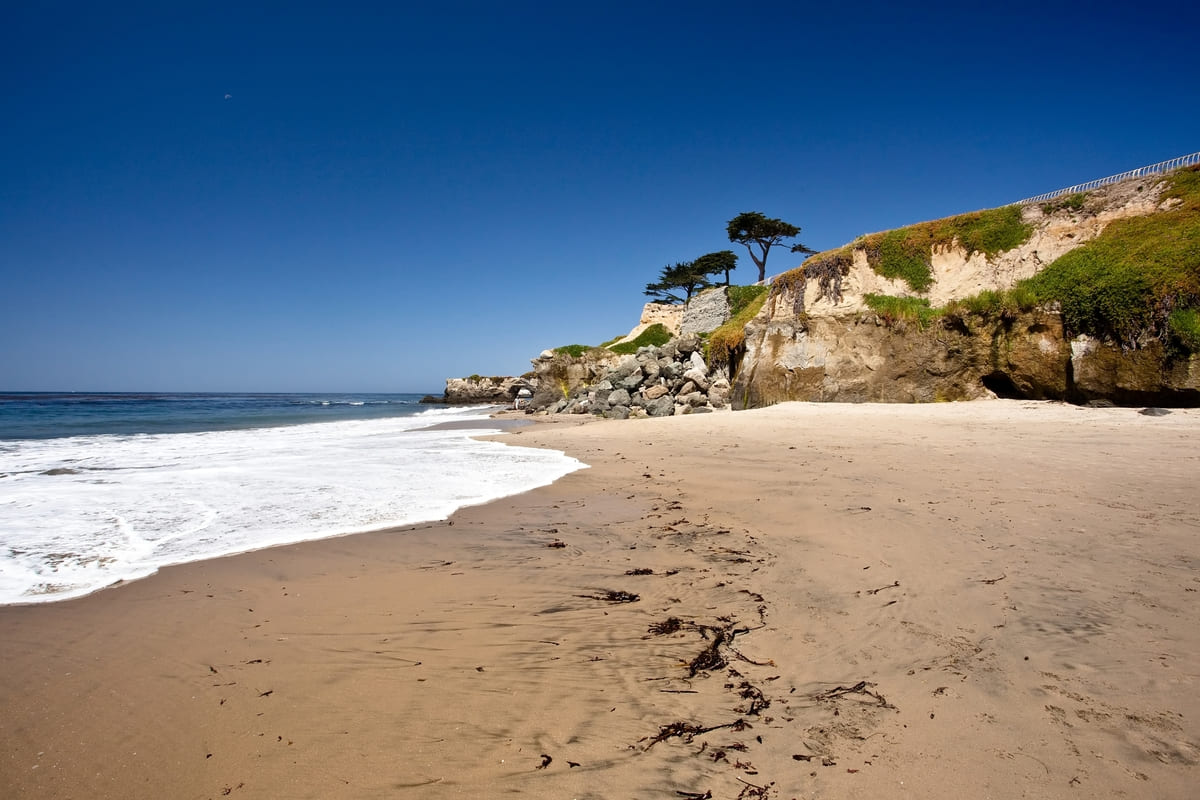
(985,600)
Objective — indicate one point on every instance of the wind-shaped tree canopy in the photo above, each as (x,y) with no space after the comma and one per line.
(686,277)
(722,261)
(754,228)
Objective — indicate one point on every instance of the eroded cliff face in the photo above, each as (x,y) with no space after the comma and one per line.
(957,273)
(837,349)
(860,358)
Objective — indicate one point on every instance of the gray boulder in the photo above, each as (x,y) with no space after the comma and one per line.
(698,377)
(651,369)
(687,344)
(617,412)
(618,397)
(624,368)
(662,407)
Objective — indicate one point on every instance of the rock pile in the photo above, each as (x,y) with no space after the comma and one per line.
(654,382)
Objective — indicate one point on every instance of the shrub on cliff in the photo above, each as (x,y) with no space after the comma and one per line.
(574,350)
(656,335)
(726,341)
(909,309)
(1139,280)
(906,253)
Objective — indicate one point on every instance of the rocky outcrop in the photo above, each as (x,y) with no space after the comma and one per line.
(1101,371)
(862,358)
(480,390)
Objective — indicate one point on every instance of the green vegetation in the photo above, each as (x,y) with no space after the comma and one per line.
(656,335)
(690,277)
(680,277)
(903,253)
(730,337)
(613,340)
(906,253)
(755,228)
(574,350)
(908,309)
(722,261)
(1071,202)
(989,232)
(1007,302)
(742,296)
(1184,327)
(1139,280)
(685,276)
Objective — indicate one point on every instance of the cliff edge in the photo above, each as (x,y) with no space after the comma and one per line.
(994,303)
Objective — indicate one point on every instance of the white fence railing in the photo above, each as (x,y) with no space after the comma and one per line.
(1153,169)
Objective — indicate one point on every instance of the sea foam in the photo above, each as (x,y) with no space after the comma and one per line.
(80,513)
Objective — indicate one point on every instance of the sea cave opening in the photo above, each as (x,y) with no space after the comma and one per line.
(1002,386)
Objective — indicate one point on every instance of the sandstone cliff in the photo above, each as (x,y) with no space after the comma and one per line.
(825,343)
(861,358)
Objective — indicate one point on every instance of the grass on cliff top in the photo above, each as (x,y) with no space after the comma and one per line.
(656,335)
(574,350)
(906,253)
(730,337)
(1139,280)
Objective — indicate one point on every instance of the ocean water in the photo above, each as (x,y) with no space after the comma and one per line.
(100,488)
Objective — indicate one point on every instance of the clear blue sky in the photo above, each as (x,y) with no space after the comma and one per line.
(396,193)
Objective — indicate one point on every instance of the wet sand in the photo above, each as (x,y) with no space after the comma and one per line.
(993,599)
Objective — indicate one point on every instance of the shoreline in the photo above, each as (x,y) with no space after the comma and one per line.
(984,599)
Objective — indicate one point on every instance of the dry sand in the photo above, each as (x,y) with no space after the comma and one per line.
(994,599)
